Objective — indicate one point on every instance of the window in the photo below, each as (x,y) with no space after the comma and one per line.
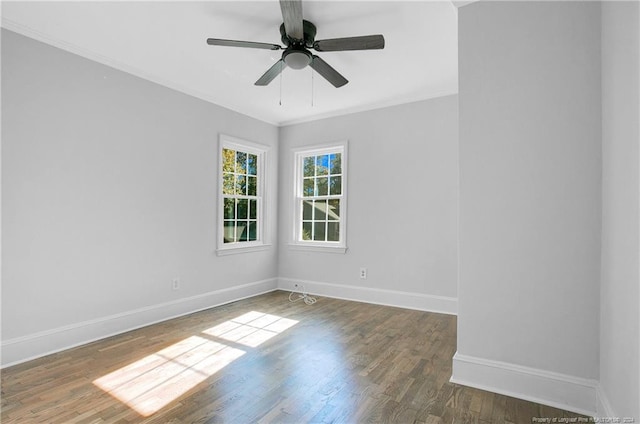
(320,209)
(241,195)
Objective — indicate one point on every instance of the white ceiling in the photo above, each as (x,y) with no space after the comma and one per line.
(165,42)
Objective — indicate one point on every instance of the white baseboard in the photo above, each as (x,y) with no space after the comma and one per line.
(407,300)
(32,346)
(548,388)
(603,407)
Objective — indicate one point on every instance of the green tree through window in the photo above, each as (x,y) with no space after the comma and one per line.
(240,196)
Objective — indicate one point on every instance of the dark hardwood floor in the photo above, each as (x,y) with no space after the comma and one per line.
(267,360)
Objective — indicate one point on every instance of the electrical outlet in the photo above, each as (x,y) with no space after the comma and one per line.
(363,273)
(175,283)
(298,287)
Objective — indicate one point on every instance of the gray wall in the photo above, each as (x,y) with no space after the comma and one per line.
(530,197)
(402,200)
(108,192)
(620,297)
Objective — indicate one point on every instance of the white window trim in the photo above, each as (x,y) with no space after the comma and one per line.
(261,150)
(317,246)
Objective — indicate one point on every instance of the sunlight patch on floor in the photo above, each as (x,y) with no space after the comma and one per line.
(154,381)
(251,329)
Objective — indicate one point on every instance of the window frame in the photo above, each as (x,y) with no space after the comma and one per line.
(298,176)
(261,151)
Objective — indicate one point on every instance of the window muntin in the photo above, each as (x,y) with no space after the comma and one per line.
(320,200)
(241,194)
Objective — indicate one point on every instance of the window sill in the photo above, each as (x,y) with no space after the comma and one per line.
(318,248)
(236,250)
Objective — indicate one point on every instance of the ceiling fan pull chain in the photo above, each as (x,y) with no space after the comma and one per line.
(281,66)
(312,87)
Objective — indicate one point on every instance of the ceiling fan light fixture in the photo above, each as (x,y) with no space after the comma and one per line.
(297,59)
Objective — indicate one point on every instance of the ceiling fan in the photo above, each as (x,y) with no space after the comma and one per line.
(298,35)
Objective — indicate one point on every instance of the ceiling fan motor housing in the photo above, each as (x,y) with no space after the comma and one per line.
(309,31)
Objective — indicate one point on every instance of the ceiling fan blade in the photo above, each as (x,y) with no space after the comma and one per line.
(365,42)
(292,16)
(235,43)
(271,73)
(330,74)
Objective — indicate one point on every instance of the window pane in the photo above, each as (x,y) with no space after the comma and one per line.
(320,210)
(229,232)
(333,231)
(306,230)
(318,231)
(322,186)
(307,189)
(227,184)
(336,163)
(252,184)
(309,166)
(333,214)
(241,162)
(242,232)
(322,165)
(228,160)
(243,208)
(307,210)
(335,186)
(241,184)
(252,164)
(229,208)
(253,231)
(253,209)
